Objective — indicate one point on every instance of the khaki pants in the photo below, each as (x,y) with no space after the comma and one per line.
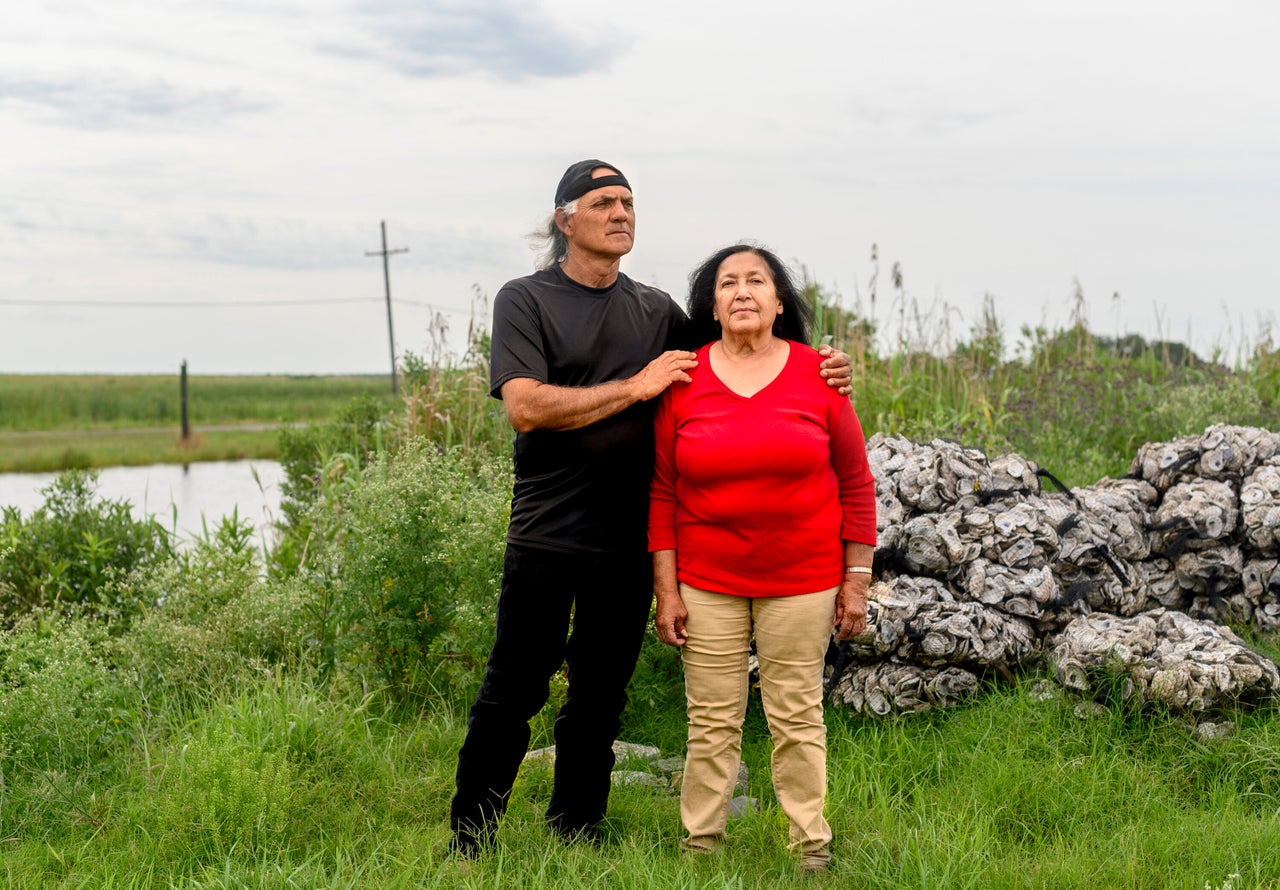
(791,634)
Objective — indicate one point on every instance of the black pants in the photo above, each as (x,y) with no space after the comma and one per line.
(608,596)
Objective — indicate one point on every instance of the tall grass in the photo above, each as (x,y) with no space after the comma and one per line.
(46,452)
(1077,403)
(64,401)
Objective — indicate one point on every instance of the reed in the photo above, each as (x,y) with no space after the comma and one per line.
(1077,403)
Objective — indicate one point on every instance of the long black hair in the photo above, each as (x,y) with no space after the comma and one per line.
(793,324)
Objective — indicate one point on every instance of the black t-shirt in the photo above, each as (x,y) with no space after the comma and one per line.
(583,490)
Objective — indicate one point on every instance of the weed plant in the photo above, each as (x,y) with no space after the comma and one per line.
(1076,404)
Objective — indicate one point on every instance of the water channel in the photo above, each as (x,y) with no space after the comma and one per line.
(184,499)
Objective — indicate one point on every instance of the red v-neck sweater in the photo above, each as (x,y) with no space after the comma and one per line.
(757,495)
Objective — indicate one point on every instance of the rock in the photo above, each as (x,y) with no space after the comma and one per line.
(1214,732)
(636,777)
(626,751)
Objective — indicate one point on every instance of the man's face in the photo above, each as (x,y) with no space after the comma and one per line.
(605,223)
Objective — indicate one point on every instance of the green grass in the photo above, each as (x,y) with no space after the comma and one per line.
(84,402)
(58,422)
(41,452)
(1009,792)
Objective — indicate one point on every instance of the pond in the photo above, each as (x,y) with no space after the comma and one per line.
(183,499)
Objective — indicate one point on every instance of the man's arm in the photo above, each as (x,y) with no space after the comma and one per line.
(532,405)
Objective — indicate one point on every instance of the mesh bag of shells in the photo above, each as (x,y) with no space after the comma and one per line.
(981,570)
(1162,656)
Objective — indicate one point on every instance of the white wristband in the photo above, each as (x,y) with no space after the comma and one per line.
(858,570)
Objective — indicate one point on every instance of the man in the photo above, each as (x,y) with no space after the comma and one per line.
(579,351)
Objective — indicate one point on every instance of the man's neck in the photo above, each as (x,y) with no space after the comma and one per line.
(591,271)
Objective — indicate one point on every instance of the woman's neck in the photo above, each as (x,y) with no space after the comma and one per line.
(748,347)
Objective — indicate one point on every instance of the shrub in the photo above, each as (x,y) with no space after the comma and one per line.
(417,566)
(71,546)
(320,461)
(215,618)
(62,705)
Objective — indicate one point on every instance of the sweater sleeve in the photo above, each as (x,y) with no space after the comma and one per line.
(662,490)
(853,472)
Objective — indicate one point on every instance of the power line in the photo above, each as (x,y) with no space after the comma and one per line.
(220,304)
(173,304)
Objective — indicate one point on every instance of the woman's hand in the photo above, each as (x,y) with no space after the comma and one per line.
(851,606)
(671,615)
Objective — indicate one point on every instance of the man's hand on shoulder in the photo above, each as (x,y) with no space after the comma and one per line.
(670,367)
(836,368)
(533,405)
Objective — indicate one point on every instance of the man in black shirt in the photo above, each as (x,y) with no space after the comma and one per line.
(579,352)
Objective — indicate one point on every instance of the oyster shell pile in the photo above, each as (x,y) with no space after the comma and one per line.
(1163,656)
(1122,585)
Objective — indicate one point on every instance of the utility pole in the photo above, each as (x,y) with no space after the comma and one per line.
(386,277)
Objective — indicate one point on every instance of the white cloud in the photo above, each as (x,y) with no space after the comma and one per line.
(508,40)
(213,150)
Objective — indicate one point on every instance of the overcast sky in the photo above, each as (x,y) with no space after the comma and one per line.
(203,179)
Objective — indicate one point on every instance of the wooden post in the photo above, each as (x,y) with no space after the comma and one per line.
(186,418)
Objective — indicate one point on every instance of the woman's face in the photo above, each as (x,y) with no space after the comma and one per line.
(746,299)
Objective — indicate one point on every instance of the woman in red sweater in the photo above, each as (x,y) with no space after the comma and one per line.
(762,524)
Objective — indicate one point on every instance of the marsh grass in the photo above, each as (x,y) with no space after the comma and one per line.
(89,401)
(51,451)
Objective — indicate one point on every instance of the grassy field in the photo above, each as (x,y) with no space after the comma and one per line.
(95,402)
(56,422)
(42,452)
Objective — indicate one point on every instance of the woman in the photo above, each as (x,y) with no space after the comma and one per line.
(762,523)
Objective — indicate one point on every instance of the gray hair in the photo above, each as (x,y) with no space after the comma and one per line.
(550,242)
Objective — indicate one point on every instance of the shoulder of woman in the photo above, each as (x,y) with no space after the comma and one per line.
(804,351)
(803,356)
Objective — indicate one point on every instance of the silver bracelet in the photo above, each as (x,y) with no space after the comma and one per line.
(858,570)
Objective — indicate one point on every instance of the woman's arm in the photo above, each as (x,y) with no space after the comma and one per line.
(857,485)
(858,520)
(671,612)
(851,601)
